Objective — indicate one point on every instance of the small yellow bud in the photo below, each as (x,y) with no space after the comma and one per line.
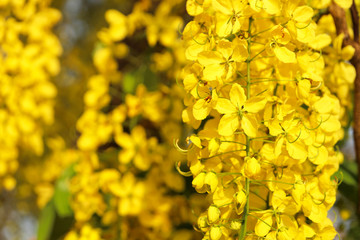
(213,214)
(195,140)
(215,233)
(235,225)
(252,167)
(202,222)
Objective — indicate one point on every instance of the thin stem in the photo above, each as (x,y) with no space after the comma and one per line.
(274,80)
(247,180)
(220,154)
(258,54)
(244,144)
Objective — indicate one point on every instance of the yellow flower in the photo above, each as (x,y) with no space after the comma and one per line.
(135,147)
(118,25)
(203,106)
(238,110)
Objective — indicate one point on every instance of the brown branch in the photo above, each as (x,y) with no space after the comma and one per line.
(341,27)
(355,21)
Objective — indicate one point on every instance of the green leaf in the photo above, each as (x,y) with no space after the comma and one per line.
(142,75)
(46,221)
(151,80)
(129,83)
(349,178)
(62,193)
(350,166)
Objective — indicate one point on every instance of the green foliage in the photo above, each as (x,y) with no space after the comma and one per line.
(46,223)
(62,193)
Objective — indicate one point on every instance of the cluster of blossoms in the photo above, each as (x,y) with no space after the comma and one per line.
(122,179)
(29,57)
(265,84)
(263,88)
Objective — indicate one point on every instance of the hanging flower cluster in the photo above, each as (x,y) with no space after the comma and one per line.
(263,88)
(261,85)
(29,54)
(122,179)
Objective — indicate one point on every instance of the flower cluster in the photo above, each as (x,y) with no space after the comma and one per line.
(264,87)
(29,58)
(122,179)
(251,97)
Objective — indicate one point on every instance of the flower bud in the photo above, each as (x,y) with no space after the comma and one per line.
(202,222)
(235,225)
(213,214)
(215,233)
(252,167)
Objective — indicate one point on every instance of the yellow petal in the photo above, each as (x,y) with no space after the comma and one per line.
(224,106)
(228,124)
(285,55)
(225,48)
(345,71)
(278,145)
(272,6)
(344,3)
(201,109)
(211,180)
(303,89)
(141,162)
(207,58)
(263,225)
(196,141)
(214,145)
(331,125)
(347,52)
(223,6)
(194,7)
(214,72)
(224,27)
(250,125)
(199,181)
(296,150)
(320,41)
(305,32)
(190,82)
(255,104)
(240,50)
(309,231)
(318,156)
(237,96)
(303,14)
(126,155)
(124,140)
(322,105)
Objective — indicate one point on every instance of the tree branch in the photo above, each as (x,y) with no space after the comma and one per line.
(355,21)
(341,27)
